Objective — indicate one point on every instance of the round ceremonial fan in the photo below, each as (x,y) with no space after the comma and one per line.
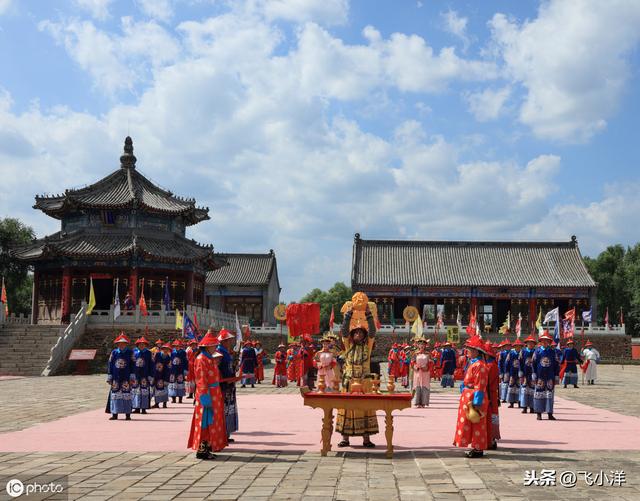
(410,313)
(280,312)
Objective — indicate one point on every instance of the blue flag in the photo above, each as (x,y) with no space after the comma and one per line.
(556,332)
(586,316)
(166,299)
(190,330)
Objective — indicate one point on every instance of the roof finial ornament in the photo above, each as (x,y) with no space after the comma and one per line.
(128,159)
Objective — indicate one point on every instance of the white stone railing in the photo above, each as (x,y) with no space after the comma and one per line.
(206,317)
(13,319)
(72,333)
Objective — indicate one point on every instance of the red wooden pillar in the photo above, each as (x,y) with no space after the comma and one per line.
(188,294)
(533,314)
(35,297)
(133,285)
(66,294)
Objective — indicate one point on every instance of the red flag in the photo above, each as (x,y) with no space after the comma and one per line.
(142,303)
(3,299)
(332,319)
(606,319)
(195,321)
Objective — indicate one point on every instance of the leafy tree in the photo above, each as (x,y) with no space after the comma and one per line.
(335,296)
(17,279)
(632,282)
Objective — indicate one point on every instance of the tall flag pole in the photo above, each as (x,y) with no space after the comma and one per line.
(332,319)
(92,298)
(519,325)
(142,302)
(116,301)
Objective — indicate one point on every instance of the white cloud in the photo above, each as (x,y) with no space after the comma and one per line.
(114,62)
(327,12)
(99,9)
(457,26)
(157,9)
(488,104)
(572,61)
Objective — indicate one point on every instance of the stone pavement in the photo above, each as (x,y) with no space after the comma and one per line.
(436,474)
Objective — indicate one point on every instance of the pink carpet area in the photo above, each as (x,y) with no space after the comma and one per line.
(282,423)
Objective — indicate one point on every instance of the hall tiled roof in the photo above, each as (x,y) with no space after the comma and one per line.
(123,188)
(397,263)
(85,244)
(244,269)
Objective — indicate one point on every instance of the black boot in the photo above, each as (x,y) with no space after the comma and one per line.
(128,417)
(113,417)
(474,453)
(179,400)
(156,405)
(190,395)
(136,411)
(144,411)
(576,386)
(164,405)
(551,418)
(539,416)
(173,400)
(494,445)
(565,385)
(511,405)
(524,411)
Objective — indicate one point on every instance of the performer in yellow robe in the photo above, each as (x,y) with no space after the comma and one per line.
(358,342)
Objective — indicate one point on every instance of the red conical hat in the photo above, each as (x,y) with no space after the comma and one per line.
(225,334)
(177,343)
(545,335)
(159,342)
(476,343)
(505,342)
(569,340)
(488,349)
(141,340)
(248,343)
(167,346)
(122,338)
(588,343)
(209,339)
(530,339)
(517,342)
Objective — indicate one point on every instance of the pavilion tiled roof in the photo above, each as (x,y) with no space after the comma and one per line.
(244,270)
(123,188)
(395,263)
(86,244)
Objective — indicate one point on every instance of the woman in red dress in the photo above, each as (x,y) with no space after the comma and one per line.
(208,430)
(190,385)
(474,396)
(280,371)
(493,394)
(260,355)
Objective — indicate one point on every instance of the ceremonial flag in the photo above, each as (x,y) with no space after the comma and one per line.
(179,321)
(586,316)
(506,326)
(238,335)
(440,321)
(92,298)
(539,319)
(459,319)
(3,299)
(471,328)
(142,303)
(332,319)
(519,326)
(416,328)
(189,331)
(116,302)
(552,316)
(569,323)
(556,333)
(166,299)
(195,321)
(570,315)
(606,319)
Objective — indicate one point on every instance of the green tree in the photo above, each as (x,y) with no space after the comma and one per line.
(16,275)
(632,282)
(335,297)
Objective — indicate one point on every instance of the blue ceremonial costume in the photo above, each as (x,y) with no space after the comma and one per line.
(121,377)
(228,391)
(448,364)
(570,358)
(248,364)
(526,380)
(143,370)
(512,375)
(503,374)
(545,374)
(179,368)
(161,375)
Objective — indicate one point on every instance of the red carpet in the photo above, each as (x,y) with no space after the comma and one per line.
(281,423)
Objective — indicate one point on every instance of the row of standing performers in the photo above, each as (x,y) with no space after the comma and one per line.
(448,363)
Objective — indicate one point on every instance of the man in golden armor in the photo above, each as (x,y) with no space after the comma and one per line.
(358,332)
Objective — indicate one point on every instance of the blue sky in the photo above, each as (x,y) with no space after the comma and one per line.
(301,122)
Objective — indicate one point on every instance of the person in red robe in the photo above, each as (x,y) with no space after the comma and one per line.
(190,385)
(208,430)
(473,399)
(291,365)
(436,356)
(260,354)
(493,394)
(395,362)
(280,370)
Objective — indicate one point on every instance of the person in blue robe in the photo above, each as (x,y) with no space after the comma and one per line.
(546,371)
(248,364)
(143,369)
(121,378)
(448,364)
(512,367)
(161,375)
(228,371)
(502,369)
(179,368)
(569,360)
(525,374)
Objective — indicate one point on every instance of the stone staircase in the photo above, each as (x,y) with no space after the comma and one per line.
(25,349)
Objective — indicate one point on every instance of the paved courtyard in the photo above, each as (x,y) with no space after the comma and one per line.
(435,473)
